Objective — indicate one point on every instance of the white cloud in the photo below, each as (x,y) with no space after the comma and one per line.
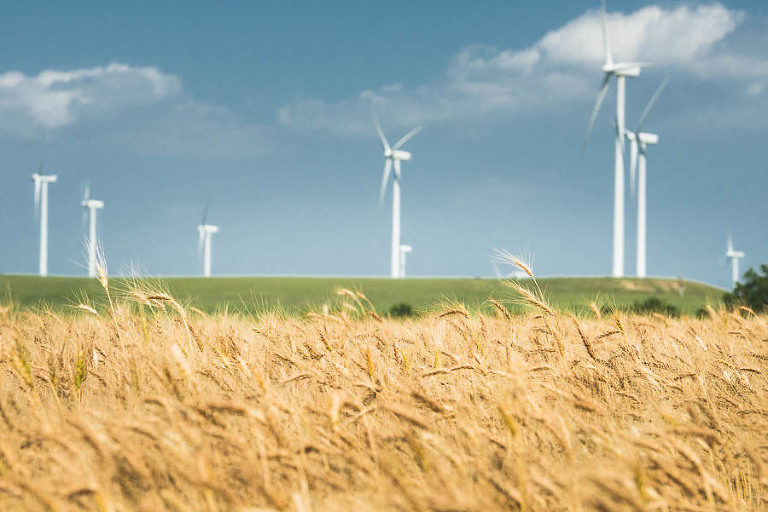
(54,99)
(141,109)
(561,67)
(665,37)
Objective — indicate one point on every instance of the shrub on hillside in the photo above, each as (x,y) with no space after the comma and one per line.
(401,310)
(655,305)
(752,291)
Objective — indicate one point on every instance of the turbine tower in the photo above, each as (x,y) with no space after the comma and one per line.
(734,256)
(41,210)
(639,142)
(621,71)
(404,250)
(205,231)
(393,156)
(91,206)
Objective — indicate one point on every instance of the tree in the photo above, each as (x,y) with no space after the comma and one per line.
(401,310)
(655,305)
(752,291)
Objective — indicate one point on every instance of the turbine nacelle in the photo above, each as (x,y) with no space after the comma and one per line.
(648,138)
(630,69)
(93,204)
(44,178)
(207,229)
(396,154)
(643,138)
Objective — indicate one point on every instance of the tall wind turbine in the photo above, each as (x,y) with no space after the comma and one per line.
(41,210)
(205,231)
(404,250)
(393,156)
(639,142)
(91,205)
(621,71)
(734,256)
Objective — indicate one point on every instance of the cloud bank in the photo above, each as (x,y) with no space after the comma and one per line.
(562,66)
(54,99)
(479,82)
(141,108)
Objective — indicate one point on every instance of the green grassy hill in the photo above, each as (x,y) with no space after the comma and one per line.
(296,295)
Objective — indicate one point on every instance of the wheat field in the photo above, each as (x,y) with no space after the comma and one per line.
(150,405)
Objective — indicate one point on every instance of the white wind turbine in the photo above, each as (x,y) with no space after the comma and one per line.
(205,231)
(639,142)
(620,71)
(404,250)
(91,205)
(41,209)
(734,256)
(393,156)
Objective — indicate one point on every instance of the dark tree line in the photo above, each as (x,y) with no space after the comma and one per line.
(751,291)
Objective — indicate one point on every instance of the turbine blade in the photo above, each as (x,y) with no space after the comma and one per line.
(382,137)
(87,192)
(200,240)
(633,164)
(385,180)
(407,137)
(606,39)
(397,170)
(204,219)
(650,104)
(730,243)
(596,110)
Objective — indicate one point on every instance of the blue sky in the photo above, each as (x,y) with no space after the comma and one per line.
(263,110)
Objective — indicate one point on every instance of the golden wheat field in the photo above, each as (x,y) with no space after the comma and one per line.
(151,405)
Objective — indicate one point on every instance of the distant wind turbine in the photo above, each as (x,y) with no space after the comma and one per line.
(620,71)
(393,156)
(91,205)
(404,250)
(639,142)
(205,231)
(734,256)
(41,210)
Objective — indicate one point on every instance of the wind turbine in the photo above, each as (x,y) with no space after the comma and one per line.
(393,156)
(205,231)
(91,205)
(404,250)
(639,142)
(734,256)
(41,210)
(621,71)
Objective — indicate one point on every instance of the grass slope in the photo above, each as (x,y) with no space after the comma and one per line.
(299,294)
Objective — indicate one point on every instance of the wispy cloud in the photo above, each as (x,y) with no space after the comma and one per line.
(561,67)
